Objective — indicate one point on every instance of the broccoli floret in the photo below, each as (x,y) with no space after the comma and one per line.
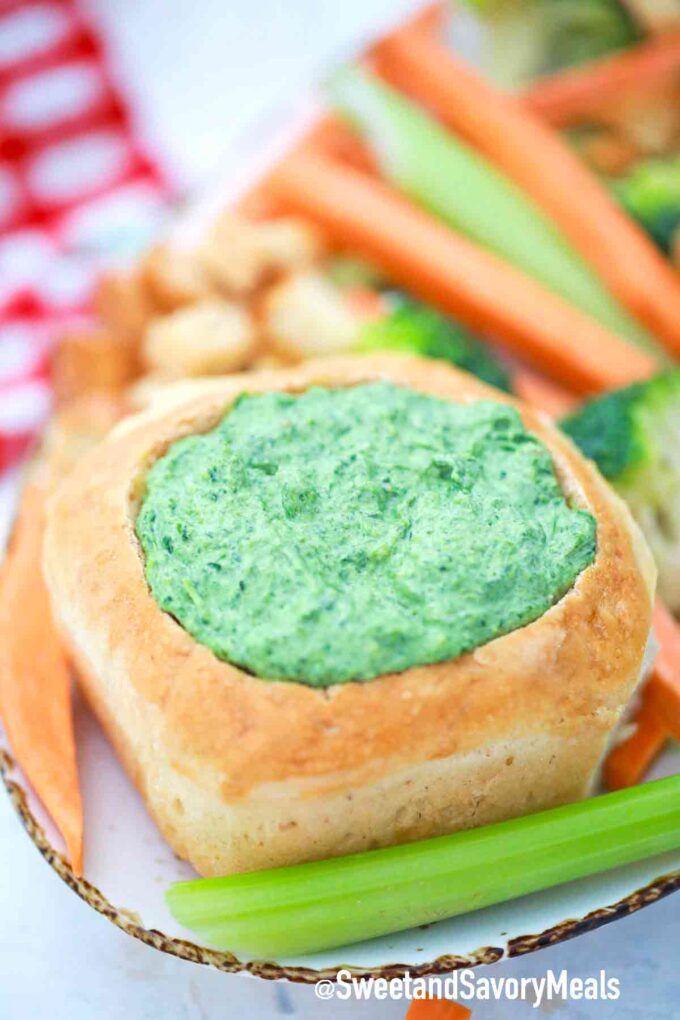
(580,30)
(633,435)
(418,329)
(651,195)
(537,37)
(604,430)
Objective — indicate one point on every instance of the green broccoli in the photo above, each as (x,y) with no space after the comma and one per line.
(537,37)
(633,435)
(651,195)
(418,329)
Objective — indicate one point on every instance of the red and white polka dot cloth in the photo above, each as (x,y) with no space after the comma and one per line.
(76,189)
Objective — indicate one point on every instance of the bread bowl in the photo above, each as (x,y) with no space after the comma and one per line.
(242,772)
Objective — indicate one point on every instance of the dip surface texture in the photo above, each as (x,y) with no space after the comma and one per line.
(342,534)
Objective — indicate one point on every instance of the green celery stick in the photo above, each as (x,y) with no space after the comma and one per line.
(310,907)
(459,186)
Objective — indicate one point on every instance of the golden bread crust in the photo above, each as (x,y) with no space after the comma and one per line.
(242,772)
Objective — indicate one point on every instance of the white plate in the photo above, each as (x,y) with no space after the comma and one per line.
(128,867)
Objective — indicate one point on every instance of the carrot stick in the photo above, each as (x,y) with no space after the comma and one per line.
(330,136)
(659,714)
(368,304)
(627,763)
(257,203)
(35,684)
(442,268)
(450,180)
(437,1009)
(664,683)
(537,159)
(327,135)
(428,19)
(562,98)
(535,389)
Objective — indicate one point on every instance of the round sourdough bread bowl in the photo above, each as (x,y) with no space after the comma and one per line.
(242,773)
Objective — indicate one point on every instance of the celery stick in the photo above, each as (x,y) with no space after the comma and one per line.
(457,185)
(310,907)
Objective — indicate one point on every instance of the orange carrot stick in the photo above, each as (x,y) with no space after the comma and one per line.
(329,135)
(627,763)
(257,203)
(437,1009)
(562,98)
(442,268)
(547,396)
(664,683)
(332,137)
(367,303)
(428,19)
(35,702)
(537,159)
(659,714)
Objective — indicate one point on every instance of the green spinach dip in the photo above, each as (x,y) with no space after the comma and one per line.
(341,534)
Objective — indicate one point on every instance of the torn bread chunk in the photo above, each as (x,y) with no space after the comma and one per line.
(174,277)
(91,360)
(123,304)
(239,256)
(307,316)
(209,338)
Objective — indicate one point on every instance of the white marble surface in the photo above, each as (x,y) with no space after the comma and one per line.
(206,72)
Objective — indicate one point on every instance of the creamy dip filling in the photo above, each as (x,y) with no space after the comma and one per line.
(342,534)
